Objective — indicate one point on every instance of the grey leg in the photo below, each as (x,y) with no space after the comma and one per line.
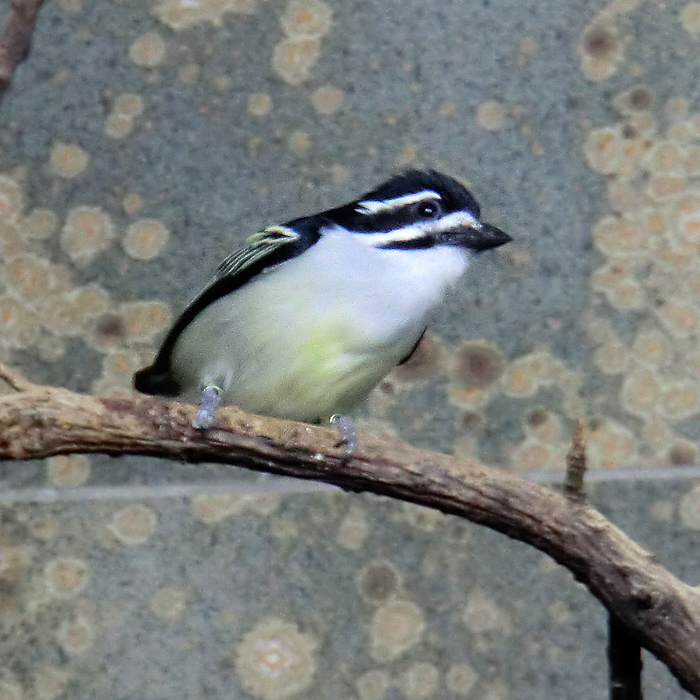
(348,433)
(211,398)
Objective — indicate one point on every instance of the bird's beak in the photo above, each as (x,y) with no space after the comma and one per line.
(479,238)
(490,237)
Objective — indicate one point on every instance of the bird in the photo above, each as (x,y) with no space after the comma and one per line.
(306,318)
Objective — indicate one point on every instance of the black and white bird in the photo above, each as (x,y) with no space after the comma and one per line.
(305,319)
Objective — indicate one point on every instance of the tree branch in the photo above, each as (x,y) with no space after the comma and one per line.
(576,466)
(16,38)
(658,610)
(624,662)
(14,379)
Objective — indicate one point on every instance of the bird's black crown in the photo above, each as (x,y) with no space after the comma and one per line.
(453,196)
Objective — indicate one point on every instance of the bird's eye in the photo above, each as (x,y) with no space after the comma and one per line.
(428,210)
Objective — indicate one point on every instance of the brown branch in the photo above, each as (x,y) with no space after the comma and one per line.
(624,662)
(16,38)
(15,380)
(661,612)
(576,466)
(624,652)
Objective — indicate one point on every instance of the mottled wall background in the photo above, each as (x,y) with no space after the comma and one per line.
(143,140)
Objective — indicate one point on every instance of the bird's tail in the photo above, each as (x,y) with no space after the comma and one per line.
(156,381)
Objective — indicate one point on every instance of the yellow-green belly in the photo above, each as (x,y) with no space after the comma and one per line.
(324,372)
(306,370)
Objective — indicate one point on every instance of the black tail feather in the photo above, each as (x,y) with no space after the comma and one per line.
(155,381)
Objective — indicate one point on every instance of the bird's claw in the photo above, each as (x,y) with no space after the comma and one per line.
(211,398)
(348,433)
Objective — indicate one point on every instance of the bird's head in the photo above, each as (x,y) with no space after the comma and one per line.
(416,210)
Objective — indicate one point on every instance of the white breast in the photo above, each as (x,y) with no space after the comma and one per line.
(384,293)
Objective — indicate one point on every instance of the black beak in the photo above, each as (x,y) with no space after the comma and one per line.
(478,239)
(486,237)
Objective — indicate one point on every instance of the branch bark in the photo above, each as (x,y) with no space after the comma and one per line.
(624,662)
(576,466)
(659,611)
(16,38)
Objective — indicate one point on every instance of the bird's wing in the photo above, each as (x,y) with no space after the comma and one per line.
(261,251)
(260,246)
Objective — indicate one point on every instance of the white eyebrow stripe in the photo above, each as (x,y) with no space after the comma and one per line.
(422,228)
(373,206)
(381,238)
(456,218)
(411,232)
(378,238)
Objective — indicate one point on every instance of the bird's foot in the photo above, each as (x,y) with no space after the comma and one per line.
(348,433)
(211,398)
